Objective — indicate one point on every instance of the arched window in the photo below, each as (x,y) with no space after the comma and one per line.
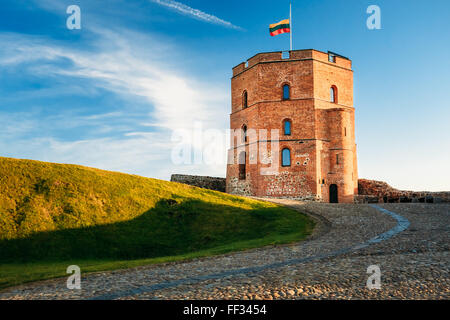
(333,94)
(244,100)
(244,133)
(287,127)
(286,92)
(242,163)
(286,157)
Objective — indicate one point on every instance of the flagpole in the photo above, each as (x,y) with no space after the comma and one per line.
(290,19)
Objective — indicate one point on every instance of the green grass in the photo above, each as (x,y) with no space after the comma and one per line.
(55,215)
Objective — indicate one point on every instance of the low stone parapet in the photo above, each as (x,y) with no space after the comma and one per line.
(372,191)
(212,183)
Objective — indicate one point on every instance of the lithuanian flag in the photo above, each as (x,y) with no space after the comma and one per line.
(280,27)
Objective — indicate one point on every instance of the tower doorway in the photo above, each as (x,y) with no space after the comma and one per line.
(333,193)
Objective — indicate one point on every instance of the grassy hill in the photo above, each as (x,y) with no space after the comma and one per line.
(55,215)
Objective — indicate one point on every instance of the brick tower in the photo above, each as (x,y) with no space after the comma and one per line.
(307,98)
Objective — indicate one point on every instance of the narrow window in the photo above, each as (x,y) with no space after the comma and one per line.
(333,94)
(244,133)
(242,164)
(286,157)
(286,92)
(331,57)
(287,127)
(345,131)
(337,159)
(285,55)
(244,100)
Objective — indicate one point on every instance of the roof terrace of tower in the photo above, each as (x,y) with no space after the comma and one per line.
(295,55)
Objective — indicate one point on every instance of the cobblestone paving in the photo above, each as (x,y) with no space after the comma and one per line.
(414,263)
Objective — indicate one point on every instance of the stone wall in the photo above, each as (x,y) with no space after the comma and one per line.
(205,182)
(371,191)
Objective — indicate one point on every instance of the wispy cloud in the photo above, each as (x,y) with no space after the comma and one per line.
(120,64)
(195,13)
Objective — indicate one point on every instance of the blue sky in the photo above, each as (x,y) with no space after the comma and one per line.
(109,95)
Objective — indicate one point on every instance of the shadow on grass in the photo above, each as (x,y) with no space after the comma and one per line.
(171,228)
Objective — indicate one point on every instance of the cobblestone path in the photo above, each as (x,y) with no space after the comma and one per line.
(409,242)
